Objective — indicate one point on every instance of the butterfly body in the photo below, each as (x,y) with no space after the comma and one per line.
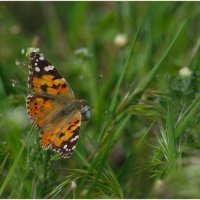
(51,104)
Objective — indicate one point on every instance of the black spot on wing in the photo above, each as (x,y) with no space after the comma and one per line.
(76,122)
(61,134)
(44,87)
(56,86)
(70,127)
(63,86)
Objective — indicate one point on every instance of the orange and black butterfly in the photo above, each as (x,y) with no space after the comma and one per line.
(52,106)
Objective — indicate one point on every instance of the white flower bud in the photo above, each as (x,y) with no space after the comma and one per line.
(120,40)
(185,72)
(73,185)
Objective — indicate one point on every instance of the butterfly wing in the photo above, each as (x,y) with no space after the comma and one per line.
(43,77)
(62,136)
(59,129)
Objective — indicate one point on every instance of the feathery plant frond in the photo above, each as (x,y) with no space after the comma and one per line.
(170,137)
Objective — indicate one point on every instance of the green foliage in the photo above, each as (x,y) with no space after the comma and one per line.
(138,66)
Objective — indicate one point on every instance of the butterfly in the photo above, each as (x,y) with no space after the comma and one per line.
(52,106)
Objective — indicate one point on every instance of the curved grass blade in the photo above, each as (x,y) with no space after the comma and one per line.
(14,166)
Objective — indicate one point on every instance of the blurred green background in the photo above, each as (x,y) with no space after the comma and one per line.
(137,63)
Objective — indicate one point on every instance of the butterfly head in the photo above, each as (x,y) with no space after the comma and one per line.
(85,110)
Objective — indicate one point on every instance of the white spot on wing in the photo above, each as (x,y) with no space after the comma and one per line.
(75,138)
(41,58)
(73,147)
(51,67)
(48,68)
(37,69)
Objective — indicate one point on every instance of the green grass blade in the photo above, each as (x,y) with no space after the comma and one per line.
(14,166)
(84,161)
(99,161)
(116,92)
(187,119)
(147,80)
(151,75)
(107,150)
(132,157)
(3,163)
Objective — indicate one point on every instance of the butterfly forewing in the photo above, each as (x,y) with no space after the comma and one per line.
(43,77)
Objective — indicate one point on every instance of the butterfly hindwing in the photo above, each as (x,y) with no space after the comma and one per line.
(62,136)
(61,133)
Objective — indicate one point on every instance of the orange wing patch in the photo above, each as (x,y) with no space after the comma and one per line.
(37,108)
(46,83)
